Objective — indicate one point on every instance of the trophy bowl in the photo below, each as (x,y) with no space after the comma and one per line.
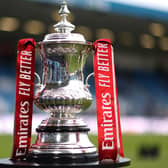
(63,90)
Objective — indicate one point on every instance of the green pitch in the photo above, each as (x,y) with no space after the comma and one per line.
(145,151)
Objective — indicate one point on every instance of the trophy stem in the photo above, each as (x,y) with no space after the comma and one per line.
(62,115)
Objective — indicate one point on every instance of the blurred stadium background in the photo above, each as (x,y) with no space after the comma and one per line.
(138,30)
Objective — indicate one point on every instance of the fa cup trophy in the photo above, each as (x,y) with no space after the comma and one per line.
(62,138)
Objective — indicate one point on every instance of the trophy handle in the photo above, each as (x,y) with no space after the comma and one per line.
(87,79)
(38,84)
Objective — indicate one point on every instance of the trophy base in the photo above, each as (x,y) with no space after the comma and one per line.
(62,144)
(63,158)
(106,164)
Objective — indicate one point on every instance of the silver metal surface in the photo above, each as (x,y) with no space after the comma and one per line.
(63,30)
(64,26)
(63,89)
(63,121)
(62,143)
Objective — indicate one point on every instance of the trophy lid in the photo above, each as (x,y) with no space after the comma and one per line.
(64,28)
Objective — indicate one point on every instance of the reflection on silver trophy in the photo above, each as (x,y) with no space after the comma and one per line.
(63,138)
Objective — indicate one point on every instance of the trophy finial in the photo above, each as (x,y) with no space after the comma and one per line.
(64,26)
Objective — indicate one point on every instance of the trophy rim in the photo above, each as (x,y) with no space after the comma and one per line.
(87,43)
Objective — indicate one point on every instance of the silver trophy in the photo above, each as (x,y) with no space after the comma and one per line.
(63,138)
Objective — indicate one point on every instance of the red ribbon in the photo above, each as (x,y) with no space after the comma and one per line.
(108,118)
(24,98)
